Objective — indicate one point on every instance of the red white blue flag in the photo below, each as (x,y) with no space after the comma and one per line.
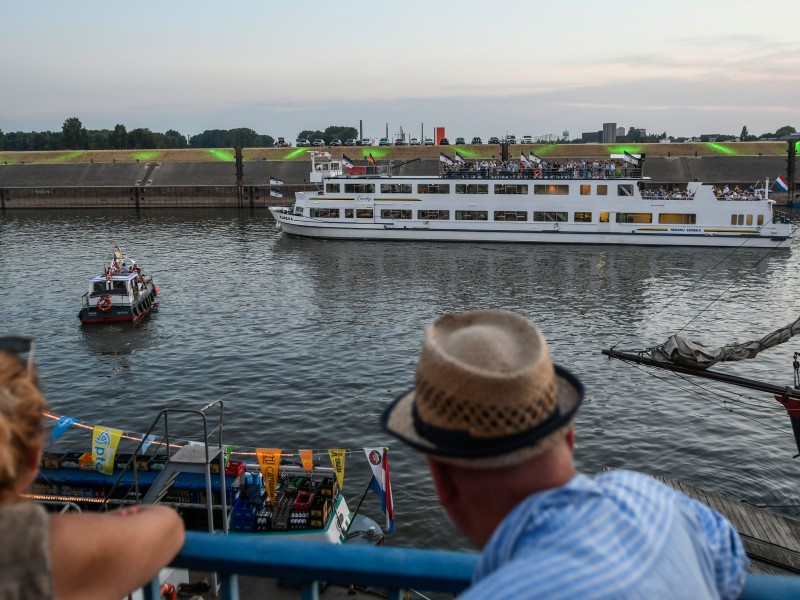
(781,183)
(380,484)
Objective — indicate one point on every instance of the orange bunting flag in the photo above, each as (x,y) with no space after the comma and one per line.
(269,459)
(337,459)
(307,458)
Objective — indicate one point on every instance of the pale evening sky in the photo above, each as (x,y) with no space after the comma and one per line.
(478,68)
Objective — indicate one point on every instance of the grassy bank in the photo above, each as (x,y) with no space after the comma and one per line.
(469,152)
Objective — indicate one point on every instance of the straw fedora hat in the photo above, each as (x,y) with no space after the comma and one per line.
(487,393)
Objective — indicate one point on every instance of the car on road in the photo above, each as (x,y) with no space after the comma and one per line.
(428,142)
(493,140)
(414,142)
(282,143)
(399,142)
(444,142)
(511,139)
(302,143)
(350,142)
(384,142)
(527,139)
(318,143)
(365,142)
(460,142)
(336,143)
(477,141)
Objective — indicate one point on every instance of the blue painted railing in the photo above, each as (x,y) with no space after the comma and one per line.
(393,569)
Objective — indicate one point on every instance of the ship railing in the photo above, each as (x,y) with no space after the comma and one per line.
(396,570)
(537,173)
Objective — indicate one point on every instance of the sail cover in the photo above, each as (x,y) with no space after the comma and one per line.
(682,351)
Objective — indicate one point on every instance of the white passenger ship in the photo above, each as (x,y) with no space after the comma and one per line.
(566,206)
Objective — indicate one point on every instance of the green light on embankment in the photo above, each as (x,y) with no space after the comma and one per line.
(377,153)
(68,156)
(294,153)
(140,156)
(467,152)
(544,150)
(623,149)
(223,155)
(721,149)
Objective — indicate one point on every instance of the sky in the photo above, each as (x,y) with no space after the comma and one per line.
(476,68)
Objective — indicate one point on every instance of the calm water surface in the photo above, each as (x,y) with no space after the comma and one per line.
(307,341)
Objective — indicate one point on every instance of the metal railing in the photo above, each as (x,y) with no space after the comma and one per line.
(391,569)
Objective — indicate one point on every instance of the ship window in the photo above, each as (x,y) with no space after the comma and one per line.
(510,215)
(99,287)
(502,188)
(602,190)
(359,188)
(298,210)
(472,188)
(582,217)
(433,215)
(395,213)
(749,220)
(634,217)
(472,215)
(603,216)
(348,213)
(740,219)
(586,189)
(332,188)
(433,188)
(324,213)
(760,220)
(395,188)
(625,189)
(363,213)
(677,219)
(551,189)
(550,216)
(733,219)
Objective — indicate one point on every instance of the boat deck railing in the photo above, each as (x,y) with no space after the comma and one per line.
(463,172)
(394,570)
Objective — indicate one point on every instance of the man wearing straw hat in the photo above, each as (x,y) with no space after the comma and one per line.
(495,418)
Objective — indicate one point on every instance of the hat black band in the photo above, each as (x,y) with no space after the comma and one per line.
(450,442)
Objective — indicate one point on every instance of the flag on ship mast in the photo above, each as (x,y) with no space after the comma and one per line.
(346,162)
(630,158)
(445,159)
(534,159)
(459,158)
(781,183)
(372,160)
(275,181)
(275,193)
(380,484)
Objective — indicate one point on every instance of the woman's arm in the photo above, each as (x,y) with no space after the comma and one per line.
(108,555)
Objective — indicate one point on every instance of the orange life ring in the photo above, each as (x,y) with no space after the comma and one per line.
(104,303)
(168,592)
(537,173)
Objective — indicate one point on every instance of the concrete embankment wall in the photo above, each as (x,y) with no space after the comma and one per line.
(213,184)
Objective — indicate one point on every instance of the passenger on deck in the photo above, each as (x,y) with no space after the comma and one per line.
(72,555)
(495,418)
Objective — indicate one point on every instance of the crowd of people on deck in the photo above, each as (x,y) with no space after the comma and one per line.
(522,169)
(726,193)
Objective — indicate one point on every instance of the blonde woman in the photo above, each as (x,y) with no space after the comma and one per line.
(65,556)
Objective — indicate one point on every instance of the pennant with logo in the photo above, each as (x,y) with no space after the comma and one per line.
(61,426)
(380,484)
(630,158)
(524,159)
(275,193)
(337,459)
(104,448)
(146,442)
(275,181)
(346,162)
(307,458)
(269,460)
(534,159)
(459,158)
(443,158)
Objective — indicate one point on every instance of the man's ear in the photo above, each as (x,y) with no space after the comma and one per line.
(446,488)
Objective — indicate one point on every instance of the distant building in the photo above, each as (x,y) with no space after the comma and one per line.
(609,133)
(592,137)
(709,137)
(565,135)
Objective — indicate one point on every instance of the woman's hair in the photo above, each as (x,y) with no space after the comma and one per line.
(21,406)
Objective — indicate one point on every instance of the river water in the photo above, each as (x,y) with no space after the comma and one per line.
(307,341)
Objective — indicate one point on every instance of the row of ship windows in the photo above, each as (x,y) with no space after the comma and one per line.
(520,215)
(550,189)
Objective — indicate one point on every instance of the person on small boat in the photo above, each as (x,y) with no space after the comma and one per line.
(72,555)
(495,418)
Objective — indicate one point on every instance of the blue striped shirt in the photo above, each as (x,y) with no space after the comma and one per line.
(617,535)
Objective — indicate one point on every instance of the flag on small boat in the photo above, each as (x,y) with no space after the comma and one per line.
(630,158)
(275,193)
(275,181)
(372,160)
(380,483)
(534,159)
(346,162)
(445,159)
(459,158)
(781,183)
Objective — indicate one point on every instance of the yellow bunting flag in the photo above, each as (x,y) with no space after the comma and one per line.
(307,457)
(104,447)
(269,459)
(337,458)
